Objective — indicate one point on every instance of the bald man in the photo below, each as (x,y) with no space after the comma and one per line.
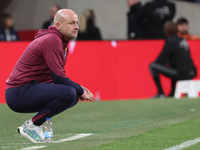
(38,82)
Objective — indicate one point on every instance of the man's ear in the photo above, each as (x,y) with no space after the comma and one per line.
(57,25)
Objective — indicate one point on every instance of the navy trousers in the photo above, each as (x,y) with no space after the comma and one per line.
(45,98)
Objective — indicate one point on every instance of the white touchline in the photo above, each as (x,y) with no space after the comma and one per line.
(185,144)
(78,136)
(33,147)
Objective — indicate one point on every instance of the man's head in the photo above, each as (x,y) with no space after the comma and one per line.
(130,3)
(66,22)
(6,21)
(53,11)
(170,28)
(182,25)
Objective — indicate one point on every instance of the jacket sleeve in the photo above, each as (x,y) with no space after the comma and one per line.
(66,81)
(54,58)
(134,29)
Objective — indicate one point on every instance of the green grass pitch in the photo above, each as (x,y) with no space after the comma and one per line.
(154,124)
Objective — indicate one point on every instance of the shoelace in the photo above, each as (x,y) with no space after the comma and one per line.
(34,133)
(37,132)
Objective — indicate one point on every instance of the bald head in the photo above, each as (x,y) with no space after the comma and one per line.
(63,14)
(66,22)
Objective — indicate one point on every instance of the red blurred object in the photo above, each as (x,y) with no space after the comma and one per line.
(27,35)
(182,95)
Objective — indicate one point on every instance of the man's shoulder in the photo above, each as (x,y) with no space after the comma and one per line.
(176,41)
(174,38)
(48,41)
(173,41)
(51,38)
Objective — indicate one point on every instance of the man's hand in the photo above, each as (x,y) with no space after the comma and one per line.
(87,95)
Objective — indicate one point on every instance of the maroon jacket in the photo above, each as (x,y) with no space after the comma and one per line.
(43,60)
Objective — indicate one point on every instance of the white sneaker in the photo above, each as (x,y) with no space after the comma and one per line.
(32,132)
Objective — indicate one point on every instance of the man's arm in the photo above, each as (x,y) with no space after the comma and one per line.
(83,92)
(134,30)
(55,59)
(66,81)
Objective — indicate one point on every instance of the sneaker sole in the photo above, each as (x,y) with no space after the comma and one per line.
(20,131)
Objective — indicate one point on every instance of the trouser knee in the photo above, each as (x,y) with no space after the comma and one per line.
(151,66)
(70,97)
(152,70)
(71,93)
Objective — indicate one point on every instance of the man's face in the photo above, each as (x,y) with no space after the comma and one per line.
(9,22)
(182,28)
(69,27)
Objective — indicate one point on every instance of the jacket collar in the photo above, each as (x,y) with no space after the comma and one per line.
(60,35)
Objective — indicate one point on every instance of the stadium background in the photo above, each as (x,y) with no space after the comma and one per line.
(111,14)
(118,69)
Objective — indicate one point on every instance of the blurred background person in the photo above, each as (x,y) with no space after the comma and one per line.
(151,17)
(134,31)
(7,31)
(52,13)
(183,30)
(87,27)
(176,53)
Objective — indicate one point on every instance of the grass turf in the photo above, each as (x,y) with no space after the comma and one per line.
(144,125)
(159,139)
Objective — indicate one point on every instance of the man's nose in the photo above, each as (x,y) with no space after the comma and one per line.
(76,26)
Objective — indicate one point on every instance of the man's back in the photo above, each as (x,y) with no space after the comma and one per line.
(177,51)
(39,56)
(180,57)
